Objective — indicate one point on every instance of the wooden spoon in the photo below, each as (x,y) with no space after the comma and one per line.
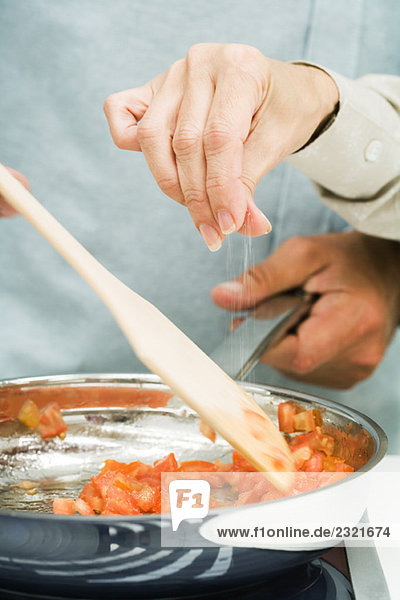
(167,351)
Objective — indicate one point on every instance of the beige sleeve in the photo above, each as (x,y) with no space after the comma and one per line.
(355,163)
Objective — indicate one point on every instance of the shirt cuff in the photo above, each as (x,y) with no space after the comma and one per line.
(359,153)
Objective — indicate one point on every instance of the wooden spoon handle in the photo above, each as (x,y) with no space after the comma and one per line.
(73,252)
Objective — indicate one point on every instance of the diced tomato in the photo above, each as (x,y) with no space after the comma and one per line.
(64,506)
(317,417)
(119,502)
(51,422)
(223,467)
(314,464)
(327,443)
(300,455)
(92,497)
(316,440)
(304,421)
(83,508)
(135,488)
(305,439)
(197,466)
(123,482)
(113,465)
(286,414)
(306,482)
(240,463)
(334,464)
(29,414)
(343,467)
(147,497)
(167,464)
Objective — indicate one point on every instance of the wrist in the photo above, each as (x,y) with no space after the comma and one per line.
(325,99)
(326,90)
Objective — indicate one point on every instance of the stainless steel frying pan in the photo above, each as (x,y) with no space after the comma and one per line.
(126,417)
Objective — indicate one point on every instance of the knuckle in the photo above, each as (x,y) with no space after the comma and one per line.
(195,199)
(195,52)
(374,316)
(110,102)
(361,373)
(217,136)
(249,181)
(147,130)
(169,184)
(303,364)
(370,359)
(177,67)
(217,184)
(186,140)
(246,63)
(119,141)
(240,54)
(371,319)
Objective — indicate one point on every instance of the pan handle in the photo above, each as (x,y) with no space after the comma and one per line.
(261,329)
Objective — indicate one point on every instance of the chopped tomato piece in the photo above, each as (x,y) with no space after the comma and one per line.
(240,463)
(83,508)
(135,488)
(334,464)
(305,482)
(300,455)
(304,421)
(223,467)
(119,502)
(147,497)
(167,464)
(327,443)
(344,468)
(92,497)
(29,414)
(197,466)
(314,464)
(51,422)
(64,506)
(112,465)
(286,414)
(316,440)
(317,417)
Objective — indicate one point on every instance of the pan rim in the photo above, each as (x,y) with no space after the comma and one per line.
(376,432)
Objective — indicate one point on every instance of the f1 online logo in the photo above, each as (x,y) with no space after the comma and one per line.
(189,499)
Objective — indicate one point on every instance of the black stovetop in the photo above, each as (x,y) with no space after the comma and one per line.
(321,579)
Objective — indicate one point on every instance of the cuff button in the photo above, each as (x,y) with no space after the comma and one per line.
(373,151)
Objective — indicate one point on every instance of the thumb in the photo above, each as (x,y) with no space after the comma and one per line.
(255,222)
(288,267)
(124,110)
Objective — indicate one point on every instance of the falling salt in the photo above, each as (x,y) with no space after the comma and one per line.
(239,258)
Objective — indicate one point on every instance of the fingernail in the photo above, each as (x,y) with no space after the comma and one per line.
(268,226)
(226,222)
(233,287)
(211,237)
